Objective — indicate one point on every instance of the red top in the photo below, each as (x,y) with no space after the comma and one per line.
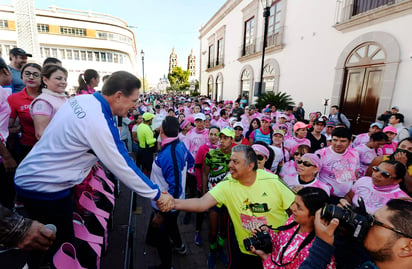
(20,107)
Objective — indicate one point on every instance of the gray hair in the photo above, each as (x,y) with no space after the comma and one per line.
(248,154)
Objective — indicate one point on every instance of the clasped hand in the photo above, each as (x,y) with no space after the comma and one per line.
(165,202)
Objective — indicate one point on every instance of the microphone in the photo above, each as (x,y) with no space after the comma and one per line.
(51,227)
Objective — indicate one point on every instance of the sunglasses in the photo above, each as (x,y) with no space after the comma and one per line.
(385,174)
(238,129)
(297,154)
(378,223)
(305,163)
(260,157)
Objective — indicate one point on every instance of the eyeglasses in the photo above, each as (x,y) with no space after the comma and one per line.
(297,154)
(385,174)
(27,74)
(305,163)
(260,157)
(378,223)
(238,129)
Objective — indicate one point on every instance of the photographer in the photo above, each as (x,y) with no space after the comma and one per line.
(292,243)
(388,241)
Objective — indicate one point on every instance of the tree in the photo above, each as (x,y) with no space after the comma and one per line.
(179,79)
(145,84)
(281,100)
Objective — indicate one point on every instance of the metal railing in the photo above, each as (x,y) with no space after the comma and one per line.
(347,9)
(257,46)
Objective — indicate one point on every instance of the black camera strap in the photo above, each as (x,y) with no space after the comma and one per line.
(305,242)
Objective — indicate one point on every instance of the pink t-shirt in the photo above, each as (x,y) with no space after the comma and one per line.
(366,156)
(200,161)
(288,171)
(338,170)
(5,111)
(280,240)
(387,149)
(360,139)
(373,196)
(294,181)
(47,104)
(194,139)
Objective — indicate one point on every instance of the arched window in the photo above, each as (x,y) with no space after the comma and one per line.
(269,78)
(367,54)
(210,85)
(219,87)
(246,83)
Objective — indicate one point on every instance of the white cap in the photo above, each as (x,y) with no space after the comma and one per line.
(238,124)
(200,116)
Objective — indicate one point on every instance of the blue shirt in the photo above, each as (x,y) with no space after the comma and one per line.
(17,84)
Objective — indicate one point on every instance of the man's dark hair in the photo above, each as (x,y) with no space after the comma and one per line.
(170,126)
(222,112)
(51,60)
(121,81)
(105,77)
(399,117)
(249,154)
(379,136)
(335,106)
(402,215)
(342,132)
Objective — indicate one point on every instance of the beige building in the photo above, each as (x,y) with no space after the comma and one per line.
(356,53)
(80,39)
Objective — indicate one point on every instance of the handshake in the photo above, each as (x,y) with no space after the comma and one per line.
(166,202)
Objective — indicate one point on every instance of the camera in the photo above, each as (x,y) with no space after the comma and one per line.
(357,221)
(260,241)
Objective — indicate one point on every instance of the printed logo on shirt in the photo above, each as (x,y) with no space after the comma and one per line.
(24,107)
(255,207)
(77,109)
(264,194)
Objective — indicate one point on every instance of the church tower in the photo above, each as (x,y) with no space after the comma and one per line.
(191,64)
(172,60)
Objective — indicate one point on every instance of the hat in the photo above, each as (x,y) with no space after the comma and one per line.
(261,149)
(377,124)
(390,129)
(228,132)
(238,124)
(331,123)
(19,51)
(184,124)
(300,125)
(267,110)
(190,119)
(395,107)
(282,115)
(321,120)
(232,119)
(200,116)
(278,131)
(314,158)
(148,116)
(266,118)
(216,114)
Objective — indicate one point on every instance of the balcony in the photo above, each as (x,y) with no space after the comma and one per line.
(273,43)
(351,13)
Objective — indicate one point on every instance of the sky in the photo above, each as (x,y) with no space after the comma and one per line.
(160,26)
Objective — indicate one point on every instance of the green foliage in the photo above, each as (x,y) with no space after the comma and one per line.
(145,85)
(179,79)
(281,100)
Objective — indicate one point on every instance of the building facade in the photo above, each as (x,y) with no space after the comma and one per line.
(172,60)
(191,64)
(356,53)
(80,39)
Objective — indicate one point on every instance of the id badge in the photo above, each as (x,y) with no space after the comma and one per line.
(252,222)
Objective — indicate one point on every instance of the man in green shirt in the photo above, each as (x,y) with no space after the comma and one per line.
(252,196)
(147,143)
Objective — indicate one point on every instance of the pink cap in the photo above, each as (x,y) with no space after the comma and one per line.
(191,119)
(390,129)
(300,125)
(314,158)
(184,124)
(266,118)
(261,149)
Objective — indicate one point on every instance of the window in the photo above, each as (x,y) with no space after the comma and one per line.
(102,35)
(62,53)
(274,18)
(72,31)
(210,62)
(269,78)
(97,56)
(110,57)
(47,52)
(69,55)
(83,55)
(121,58)
(41,52)
(4,24)
(76,55)
(246,82)
(103,56)
(360,6)
(89,56)
(219,59)
(116,58)
(249,39)
(54,53)
(42,28)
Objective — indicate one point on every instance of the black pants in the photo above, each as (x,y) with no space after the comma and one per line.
(58,212)
(7,192)
(168,230)
(239,260)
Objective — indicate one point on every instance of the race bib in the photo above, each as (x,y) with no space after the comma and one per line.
(345,176)
(252,222)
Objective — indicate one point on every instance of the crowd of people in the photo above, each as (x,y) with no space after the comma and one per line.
(255,171)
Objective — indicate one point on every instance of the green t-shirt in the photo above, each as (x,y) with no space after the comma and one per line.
(219,166)
(145,136)
(249,207)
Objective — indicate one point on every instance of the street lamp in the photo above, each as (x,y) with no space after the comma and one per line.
(266,13)
(142,54)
